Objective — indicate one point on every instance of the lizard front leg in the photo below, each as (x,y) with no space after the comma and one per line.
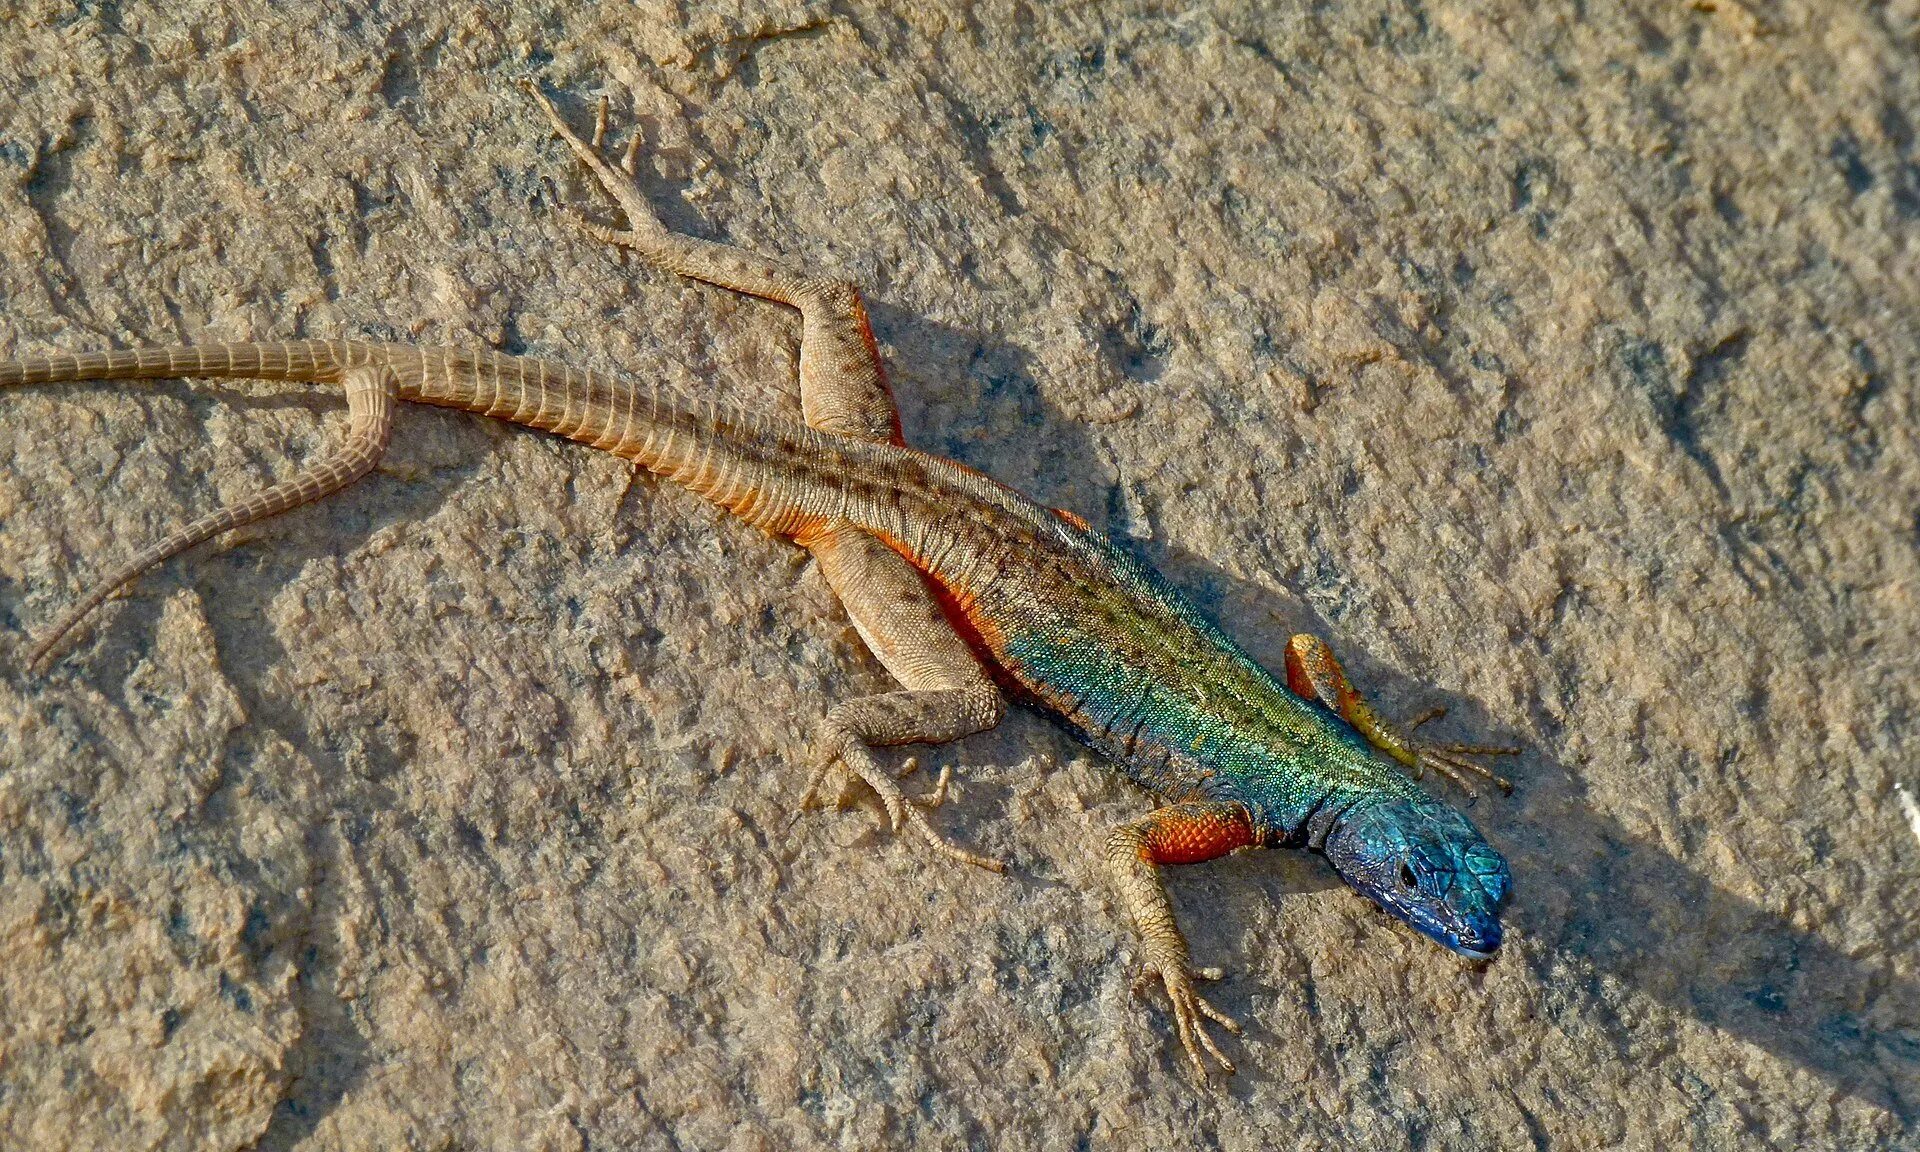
(1184,833)
(1315,674)
(948,695)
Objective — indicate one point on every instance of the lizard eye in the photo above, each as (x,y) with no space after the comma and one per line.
(1408,880)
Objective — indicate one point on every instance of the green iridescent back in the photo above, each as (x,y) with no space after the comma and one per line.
(1138,672)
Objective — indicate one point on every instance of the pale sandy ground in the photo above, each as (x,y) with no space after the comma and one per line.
(1559,369)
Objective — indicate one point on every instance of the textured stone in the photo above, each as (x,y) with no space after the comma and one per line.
(1557,368)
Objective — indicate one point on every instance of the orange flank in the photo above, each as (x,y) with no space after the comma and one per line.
(1073,519)
(1190,833)
(982,634)
(899,435)
(804,531)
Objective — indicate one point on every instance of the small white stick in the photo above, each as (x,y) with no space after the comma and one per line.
(1910,806)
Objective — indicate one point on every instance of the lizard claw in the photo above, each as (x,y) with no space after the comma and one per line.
(1191,1012)
(1450,760)
(823,762)
(938,796)
(630,159)
(848,751)
(643,227)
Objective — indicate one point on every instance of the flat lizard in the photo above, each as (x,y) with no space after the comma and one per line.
(966,591)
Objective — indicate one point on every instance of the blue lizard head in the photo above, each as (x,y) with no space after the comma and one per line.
(1423,862)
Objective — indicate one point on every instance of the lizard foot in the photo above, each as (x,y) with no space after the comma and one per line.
(845,749)
(939,794)
(1450,760)
(644,229)
(1190,1009)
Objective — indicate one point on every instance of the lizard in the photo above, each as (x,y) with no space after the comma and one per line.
(968,593)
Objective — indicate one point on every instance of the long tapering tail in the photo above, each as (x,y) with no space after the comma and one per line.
(312,361)
(747,463)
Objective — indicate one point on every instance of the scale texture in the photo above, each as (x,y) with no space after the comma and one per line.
(1555,370)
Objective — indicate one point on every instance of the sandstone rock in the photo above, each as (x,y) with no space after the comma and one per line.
(1558,368)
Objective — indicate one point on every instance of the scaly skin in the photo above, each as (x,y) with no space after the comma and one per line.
(961,586)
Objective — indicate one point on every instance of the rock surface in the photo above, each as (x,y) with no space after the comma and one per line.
(1558,369)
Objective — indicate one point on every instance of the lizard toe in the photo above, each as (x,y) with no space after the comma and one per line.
(1191,1011)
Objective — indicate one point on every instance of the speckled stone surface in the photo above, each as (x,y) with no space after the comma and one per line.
(1557,368)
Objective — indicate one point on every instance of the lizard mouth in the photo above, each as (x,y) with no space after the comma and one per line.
(1479,946)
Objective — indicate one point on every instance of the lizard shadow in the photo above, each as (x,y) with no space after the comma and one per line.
(436,460)
(333,1053)
(1637,921)
(975,398)
(1604,915)
(328,1061)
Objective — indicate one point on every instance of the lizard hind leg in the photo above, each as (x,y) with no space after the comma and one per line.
(1313,673)
(843,388)
(371,390)
(947,694)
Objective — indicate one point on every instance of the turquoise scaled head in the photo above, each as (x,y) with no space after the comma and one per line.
(1422,861)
